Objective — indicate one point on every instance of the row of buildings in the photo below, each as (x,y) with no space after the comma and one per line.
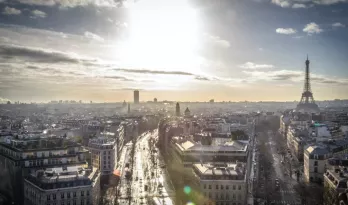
(217,150)
(67,162)
(318,141)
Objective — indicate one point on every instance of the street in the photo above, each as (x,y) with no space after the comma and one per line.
(275,185)
(148,183)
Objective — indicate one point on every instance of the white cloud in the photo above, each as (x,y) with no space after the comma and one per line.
(282,3)
(93,36)
(250,65)
(312,28)
(287,31)
(38,13)
(72,3)
(11,11)
(218,41)
(338,24)
(299,6)
(328,2)
(304,3)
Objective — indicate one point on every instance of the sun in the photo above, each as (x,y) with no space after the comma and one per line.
(164,34)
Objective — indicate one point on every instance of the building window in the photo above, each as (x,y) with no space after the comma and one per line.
(217,186)
(209,194)
(109,152)
(48,197)
(54,196)
(87,192)
(204,186)
(316,169)
(82,193)
(222,187)
(62,195)
(315,163)
(209,186)
(227,187)
(68,203)
(82,202)
(239,187)
(62,203)
(74,194)
(234,187)
(222,196)
(68,195)
(234,196)
(104,152)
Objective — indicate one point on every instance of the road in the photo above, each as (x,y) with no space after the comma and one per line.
(149,183)
(285,194)
(125,184)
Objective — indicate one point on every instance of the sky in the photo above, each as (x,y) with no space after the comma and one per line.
(182,50)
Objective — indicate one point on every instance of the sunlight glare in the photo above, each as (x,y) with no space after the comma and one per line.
(163,35)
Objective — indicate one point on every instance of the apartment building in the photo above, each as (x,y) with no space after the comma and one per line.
(103,154)
(67,185)
(335,183)
(190,152)
(222,183)
(315,163)
(23,155)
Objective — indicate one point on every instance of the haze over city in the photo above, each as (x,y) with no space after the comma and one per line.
(183,50)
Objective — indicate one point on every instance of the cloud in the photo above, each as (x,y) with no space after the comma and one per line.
(38,13)
(328,2)
(39,55)
(160,72)
(93,36)
(282,3)
(298,6)
(11,11)
(274,75)
(250,65)
(338,24)
(295,76)
(286,31)
(72,3)
(218,41)
(312,28)
(202,78)
(118,78)
(301,3)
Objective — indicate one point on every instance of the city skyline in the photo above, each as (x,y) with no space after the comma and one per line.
(103,50)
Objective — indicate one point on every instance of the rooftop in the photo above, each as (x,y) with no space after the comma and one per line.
(49,143)
(62,177)
(236,145)
(220,169)
(317,150)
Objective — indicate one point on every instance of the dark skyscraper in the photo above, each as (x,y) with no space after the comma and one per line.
(307,103)
(136,96)
(177,109)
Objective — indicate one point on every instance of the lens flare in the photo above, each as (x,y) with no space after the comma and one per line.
(187,190)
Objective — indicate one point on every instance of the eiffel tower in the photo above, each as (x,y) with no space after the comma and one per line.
(307,103)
